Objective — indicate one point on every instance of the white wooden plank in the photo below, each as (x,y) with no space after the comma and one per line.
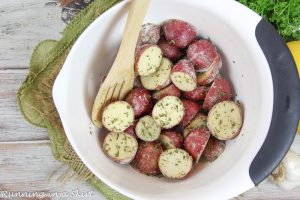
(12,124)
(25,167)
(269,191)
(23,24)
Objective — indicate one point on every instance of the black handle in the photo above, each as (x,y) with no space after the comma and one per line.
(286,108)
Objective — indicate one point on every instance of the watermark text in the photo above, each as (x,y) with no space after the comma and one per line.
(40,195)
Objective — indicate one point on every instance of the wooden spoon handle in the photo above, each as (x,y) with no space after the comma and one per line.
(136,15)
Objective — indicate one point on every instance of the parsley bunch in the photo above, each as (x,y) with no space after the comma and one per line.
(283,14)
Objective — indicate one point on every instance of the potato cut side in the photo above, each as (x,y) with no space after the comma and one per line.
(168,112)
(166,142)
(213,149)
(160,78)
(118,116)
(149,60)
(183,75)
(199,121)
(171,139)
(175,163)
(210,75)
(147,129)
(225,120)
(183,81)
(120,147)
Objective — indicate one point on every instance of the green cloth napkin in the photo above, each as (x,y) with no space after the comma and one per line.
(35,94)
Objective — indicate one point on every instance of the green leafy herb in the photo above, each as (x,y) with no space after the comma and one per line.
(283,14)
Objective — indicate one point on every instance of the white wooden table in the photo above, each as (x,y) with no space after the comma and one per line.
(25,156)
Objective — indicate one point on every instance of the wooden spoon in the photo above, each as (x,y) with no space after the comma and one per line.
(120,78)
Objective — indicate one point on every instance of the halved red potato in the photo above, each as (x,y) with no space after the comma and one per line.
(170,90)
(168,112)
(148,58)
(183,75)
(159,79)
(179,32)
(197,94)
(169,50)
(171,139)
(219,91)
(120,147)
(146,159)
(203,54)
(225,120)
(147,129)
(149,34)
(175,163)
(209,76)
(191,109)
(196,141)
(131,130)
(140,100)
(214,148)
(118,116)
(199,121)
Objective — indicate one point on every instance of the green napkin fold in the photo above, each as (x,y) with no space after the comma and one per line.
(35,94)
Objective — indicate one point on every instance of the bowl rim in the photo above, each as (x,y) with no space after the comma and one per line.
(59,81)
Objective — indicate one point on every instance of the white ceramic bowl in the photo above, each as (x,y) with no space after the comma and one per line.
(253,56)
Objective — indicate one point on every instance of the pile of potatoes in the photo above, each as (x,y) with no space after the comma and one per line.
(180,109)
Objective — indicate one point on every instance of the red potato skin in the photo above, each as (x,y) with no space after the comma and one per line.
(170,90)
(131,130)
(214,148)
(175,137)
(138,52)
(191,109)
(149,34)
(198,94)
(179,32)
(169,50)
(202,54)
(146,159)
(186,67)
(211,73)
(141,101)
(219,91)
(196,141)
